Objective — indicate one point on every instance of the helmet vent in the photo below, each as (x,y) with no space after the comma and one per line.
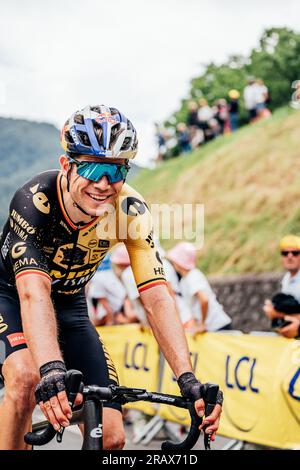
(78,118)
(84,138)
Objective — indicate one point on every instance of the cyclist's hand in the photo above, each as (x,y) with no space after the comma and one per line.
(212,421)
(51,395)
(191,387)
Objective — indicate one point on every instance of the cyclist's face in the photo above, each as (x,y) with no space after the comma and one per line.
(92,196)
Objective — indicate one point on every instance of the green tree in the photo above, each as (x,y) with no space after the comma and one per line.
(276,60)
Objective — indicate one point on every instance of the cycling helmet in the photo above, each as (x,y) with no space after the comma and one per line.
(100,131)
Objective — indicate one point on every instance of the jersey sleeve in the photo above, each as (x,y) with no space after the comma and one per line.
(145,260)
(29,220)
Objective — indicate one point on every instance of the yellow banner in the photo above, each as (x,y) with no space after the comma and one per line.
(260,377)
(136,357)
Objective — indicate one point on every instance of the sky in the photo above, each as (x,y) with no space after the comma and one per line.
(136,55)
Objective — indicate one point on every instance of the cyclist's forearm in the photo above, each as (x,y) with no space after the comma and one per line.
(169,333)
(40,330)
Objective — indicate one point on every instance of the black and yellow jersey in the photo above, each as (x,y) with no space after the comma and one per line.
(39,237)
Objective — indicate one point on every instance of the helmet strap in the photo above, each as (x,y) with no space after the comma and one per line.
(68,189)
(82,210)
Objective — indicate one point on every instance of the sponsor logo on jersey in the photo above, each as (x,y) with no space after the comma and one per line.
(79,281)
(74,277)
(93,243)
(24,262)
(103,243)
(3,326)
(21,221)
(133,206)
(40,200)
(48,249)
(67,255)
(90,229)
(15,339)
(69,292)
(159,271)
(149,239)
(6,245)
(18,250)
(62,223)
(19,231)
(158,257)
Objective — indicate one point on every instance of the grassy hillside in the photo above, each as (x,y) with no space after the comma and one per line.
(249,183)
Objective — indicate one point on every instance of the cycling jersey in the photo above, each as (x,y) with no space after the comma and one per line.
(39,237)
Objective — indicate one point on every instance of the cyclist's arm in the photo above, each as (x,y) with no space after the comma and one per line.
(167,328)
(148,271)
(33,281)
(38,318)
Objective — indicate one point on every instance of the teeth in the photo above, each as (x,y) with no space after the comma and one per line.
(98,198)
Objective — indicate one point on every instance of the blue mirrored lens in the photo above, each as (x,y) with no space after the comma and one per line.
(95,171)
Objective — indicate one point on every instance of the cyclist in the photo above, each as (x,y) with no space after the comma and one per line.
(61,224)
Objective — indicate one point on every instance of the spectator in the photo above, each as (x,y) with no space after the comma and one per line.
(222,115)
(106,295)
(196,133)
(160,141)
(233,109)
(289,299)
(120,262)
(205,113)
(250,99)
(183,138)
(208,314)
(262,95)
(192,117)
(173,282)
(206,119)
(133,295)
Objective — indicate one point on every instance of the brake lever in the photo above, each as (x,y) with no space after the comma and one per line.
(210,398)
(74,385)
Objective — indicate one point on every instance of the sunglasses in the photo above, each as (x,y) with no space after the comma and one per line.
(94,171)
(293,252)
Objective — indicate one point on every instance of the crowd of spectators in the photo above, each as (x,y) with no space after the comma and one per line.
(206,122)
(113,298)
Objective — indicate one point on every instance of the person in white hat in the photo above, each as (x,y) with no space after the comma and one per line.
(207,312)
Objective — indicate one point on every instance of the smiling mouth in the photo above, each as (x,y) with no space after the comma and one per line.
(98,198)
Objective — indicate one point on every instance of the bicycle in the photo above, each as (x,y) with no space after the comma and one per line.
(90,413)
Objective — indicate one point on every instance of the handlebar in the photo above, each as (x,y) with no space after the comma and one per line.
(125,395)
(73,382)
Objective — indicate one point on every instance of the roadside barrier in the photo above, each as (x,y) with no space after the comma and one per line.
(259,375)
